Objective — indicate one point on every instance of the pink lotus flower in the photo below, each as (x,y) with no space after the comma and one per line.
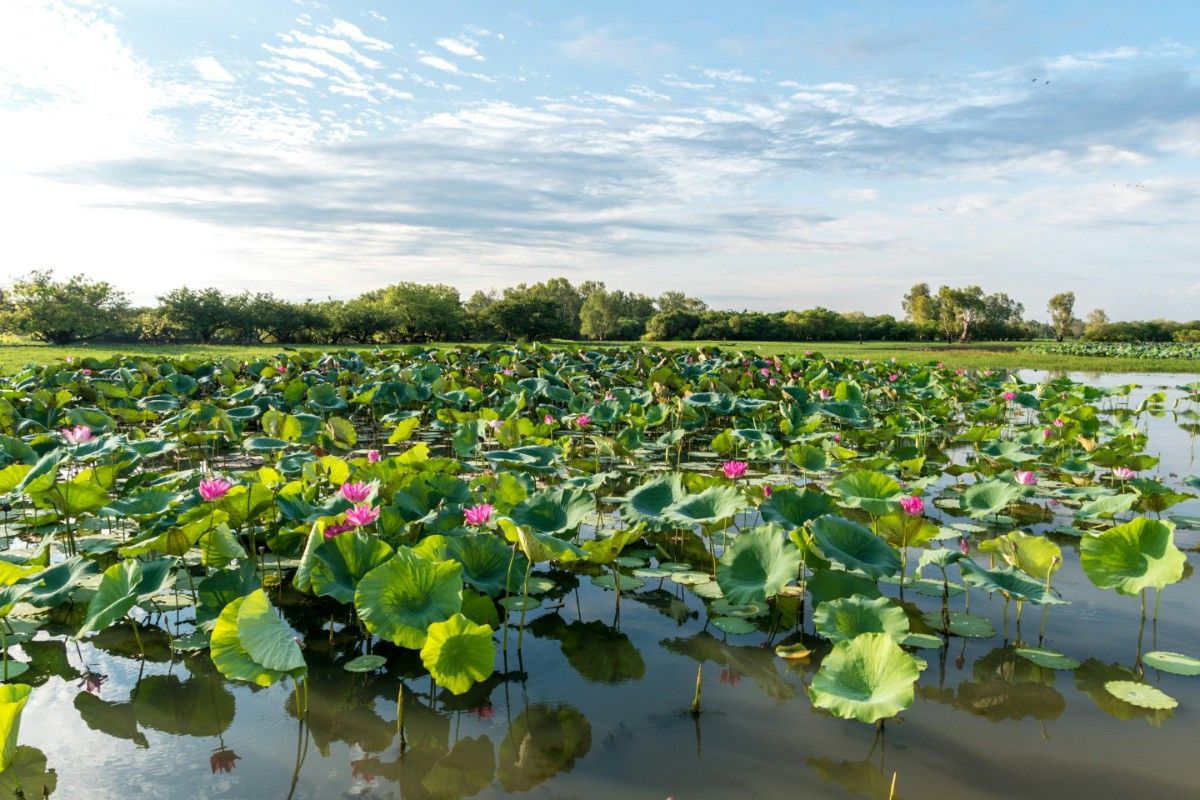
(1123,473)
(824,394)
(496,423)
(941,365)
(356,492)
(337,529)
(280,368)
(609,396)
(893,377)
(768,490)
(960,371)
(548,419)
(478,515)
(92,681)
(85,372)
(1025,477)
(912,505)
(771,382)
(1009,396)
(484,712)
(373,456)
(360,516)
(764,371)
(583,420)
(734,469)
(1047,432)
(223,761)
(1059,422)
(77,435)
(214,489)
(837,437)
(507,371)
(964,545)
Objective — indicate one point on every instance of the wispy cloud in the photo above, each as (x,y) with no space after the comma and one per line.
(211,70)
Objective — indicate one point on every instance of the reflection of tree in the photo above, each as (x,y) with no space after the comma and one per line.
(1090,678)
(1005,686)
(542,741)
(596,651)
(759,664)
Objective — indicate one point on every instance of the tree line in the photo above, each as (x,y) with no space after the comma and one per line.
(41,307)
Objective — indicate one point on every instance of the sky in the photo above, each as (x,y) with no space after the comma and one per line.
(761,155)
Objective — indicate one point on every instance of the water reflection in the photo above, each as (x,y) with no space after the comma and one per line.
(596,651)
(1004,687)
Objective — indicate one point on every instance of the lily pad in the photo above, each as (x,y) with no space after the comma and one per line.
(867,678)
(1141,695)
(1175,663)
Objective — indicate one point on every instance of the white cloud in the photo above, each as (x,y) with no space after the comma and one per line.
(855,195)
(459,48)
(437,62)
(348,30)
(727,75)
(211,70)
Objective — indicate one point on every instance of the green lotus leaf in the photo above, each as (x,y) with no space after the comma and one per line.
(854,547)
(265,637)
(923,641)
(55,584)
(1008,581)
(970,626)
(228,654)
(847,617)
(609,581)
(648,502)
(989,498)
(831,584)
(757,565)
(224,586)
(1141,695)
(538,547)
(1035,555)
(554,511)
(343,561)
(13,697)
(737,626)
(367,663)
(485,562)
(905,530)
(1047,658)
(399,599)
(1175,663)
(458,653)
(873,492)
(116,595)
(867,678)
(1141,554)
(791,508)
(713,505)
(1107,506)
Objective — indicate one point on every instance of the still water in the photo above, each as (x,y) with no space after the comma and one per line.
(596,705)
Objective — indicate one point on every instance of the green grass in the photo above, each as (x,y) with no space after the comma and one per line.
(980,355)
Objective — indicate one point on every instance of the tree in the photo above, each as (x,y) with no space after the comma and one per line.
(203,313)
(1062,313)
(920,307)
(61,312)
(524,316)
(670,325)
(1096,319)
(422,312)
(599,315)
(669,302)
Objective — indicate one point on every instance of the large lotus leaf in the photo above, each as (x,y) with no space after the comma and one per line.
(76,498)
(343,561)
(485,561)
(905,530)
(648,502)
(536,546)
(399,599)
(28,767)
(554,511)
(791,508)
(1009,581)
(114,597)
(867,678)
(1036,555)
(228,654)
(847,617)
(1106,506)
(266,638)
(713,505)
(757,565)
(831,584)
(55,584)
(607,549)
(224,586)
(458,653)
(989,498)
(13,697)
(854,546)
(542,741)
(873,492)
(1141,554)
(157,576)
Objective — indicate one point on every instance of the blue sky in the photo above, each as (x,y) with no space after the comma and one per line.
(759,155)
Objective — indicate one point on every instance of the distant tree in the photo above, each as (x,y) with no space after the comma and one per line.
(678,301)
(203,313)
(920,307)
(599,315)
(525,316)
(422,312)
(1096,319)
(667,326)
(561,303)
(284,321)
(1062,313)
(61,312)
(361,321)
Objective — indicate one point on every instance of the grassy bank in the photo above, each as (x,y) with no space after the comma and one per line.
(980,355)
